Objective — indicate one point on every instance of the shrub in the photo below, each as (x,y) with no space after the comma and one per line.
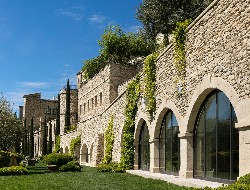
(9,159)
(13,170)
(57,159)
(71,166)
(111,167)
(22,164)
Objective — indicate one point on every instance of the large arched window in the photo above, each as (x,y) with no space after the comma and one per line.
(144,151)
(216,141)
(169,144)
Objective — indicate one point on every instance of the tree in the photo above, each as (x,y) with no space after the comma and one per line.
(67,111)
(31,139)
(160,16)
(10,126)
(50,138)
(57,131)
(24,142)
(117,47)
(44,137)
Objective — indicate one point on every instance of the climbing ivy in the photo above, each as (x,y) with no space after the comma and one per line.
(57,144)
(180,52)
(109,142)
(74,143)
(132,97)
(150,79)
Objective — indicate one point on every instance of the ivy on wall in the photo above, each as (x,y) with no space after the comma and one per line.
(109,142)
(149,80)
(57,144)
(70,128)
(180,52)
(132,97)
(74,143)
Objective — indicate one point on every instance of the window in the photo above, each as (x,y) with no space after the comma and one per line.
(169,144)
(84,108)
(100,98)
(95,101)
(80,109)
(144,149)
(88,105)
(216,141)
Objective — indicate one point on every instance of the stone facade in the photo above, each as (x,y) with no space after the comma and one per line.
(98,99)
(73,107)
(217,58)
(37,108)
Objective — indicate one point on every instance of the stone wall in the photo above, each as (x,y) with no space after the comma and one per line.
(217,46)
(73,108)
(217,57)
(96,94)
(38,108)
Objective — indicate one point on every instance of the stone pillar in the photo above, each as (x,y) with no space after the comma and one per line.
(154,156)
(244,150)
(186,155)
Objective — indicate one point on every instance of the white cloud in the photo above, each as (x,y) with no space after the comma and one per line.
(28,84)
(97,18)
(71,14)
(77,7)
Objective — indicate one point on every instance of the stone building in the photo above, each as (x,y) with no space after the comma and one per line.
(201,126)
(37,108)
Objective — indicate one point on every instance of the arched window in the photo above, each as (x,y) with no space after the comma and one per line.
(84,154)
(216,141)
(169,144)
(144,150)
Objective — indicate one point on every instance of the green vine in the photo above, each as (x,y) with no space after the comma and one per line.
(109,142)
(132,97)
(74,143)
(180,52)
(70,128)
(57,144)
(150,79)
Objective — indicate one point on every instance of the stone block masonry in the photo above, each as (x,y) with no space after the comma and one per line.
(217,60)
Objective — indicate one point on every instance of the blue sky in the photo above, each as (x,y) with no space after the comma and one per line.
(44,42)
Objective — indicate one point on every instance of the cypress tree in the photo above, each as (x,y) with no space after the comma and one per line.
(67,111)
(50,138)
(57,132)
(24,144)
(44,147)
(31,141)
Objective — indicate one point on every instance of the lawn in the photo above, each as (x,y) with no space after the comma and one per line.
(88,179)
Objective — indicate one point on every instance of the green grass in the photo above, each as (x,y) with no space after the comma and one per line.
(88,179)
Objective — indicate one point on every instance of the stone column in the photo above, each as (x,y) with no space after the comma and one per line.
(244,150)
(186,155)
(154,156)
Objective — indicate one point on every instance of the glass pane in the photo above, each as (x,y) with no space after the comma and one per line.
(223,145)
(168,160)
(235,148)
(210,127)
(175,145)
(199,145)
(144,148)
(162,147)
